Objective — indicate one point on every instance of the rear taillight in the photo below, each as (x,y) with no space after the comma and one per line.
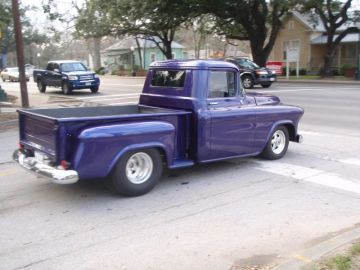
(64,164)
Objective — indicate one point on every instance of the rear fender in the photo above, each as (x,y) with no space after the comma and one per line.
(100,148)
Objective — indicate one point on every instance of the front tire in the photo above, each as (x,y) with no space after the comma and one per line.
(136,173)
(94,89)
(66,88)
(41,86)
(247,81)
(277,145)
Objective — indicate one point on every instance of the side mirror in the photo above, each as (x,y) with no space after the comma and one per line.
(56,70)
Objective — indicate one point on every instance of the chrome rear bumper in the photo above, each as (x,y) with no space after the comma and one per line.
(55,175)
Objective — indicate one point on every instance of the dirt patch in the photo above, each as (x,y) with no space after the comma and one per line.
(256,262)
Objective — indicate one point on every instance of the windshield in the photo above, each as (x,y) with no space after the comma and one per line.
(68,67)
(246,63)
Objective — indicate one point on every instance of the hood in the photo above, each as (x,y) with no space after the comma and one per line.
(79,73)
(264,99)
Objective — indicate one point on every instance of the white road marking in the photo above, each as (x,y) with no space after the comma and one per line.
(310,175)
(109,96)
(293,90)
(119,84)
(351,161)
(124,103)
(305,132)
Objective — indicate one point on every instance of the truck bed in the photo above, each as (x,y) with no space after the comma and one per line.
(99,111)
(55,131)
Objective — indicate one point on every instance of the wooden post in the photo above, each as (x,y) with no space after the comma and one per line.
(20,54)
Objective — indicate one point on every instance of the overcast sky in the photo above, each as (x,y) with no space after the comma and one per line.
(65,6)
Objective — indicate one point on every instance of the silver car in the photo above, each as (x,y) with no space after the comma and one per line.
(12,74)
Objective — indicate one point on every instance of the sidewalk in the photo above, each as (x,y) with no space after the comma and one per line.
(324,81)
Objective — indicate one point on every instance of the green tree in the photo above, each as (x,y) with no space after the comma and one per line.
(257,21)
(7,39)
(156,20)
(92,24)
(337,21)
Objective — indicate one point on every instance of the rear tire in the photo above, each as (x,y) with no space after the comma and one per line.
(41,86)
(136,173)
(3,79)
(66,88)
(277,145)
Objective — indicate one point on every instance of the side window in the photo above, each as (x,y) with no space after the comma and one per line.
(168,78)
(222,84)
(56,66)
(50,66)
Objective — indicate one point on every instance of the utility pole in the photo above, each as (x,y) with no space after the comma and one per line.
(20,54)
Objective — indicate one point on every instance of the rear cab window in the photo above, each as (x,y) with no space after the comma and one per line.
(168,78)
(169,82)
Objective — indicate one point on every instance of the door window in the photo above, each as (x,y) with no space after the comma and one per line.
(222,84)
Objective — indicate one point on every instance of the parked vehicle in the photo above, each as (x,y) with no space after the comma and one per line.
(189,112)
(252,74)
(12,74)
(67,74)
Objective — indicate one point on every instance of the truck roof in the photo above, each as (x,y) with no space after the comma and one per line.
(64,61)
(198,64)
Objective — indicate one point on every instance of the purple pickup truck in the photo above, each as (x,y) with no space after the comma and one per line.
(189,112)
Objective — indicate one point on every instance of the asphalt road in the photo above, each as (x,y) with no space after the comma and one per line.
(226,215)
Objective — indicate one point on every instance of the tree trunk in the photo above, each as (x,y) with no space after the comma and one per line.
(259,55)
(167,49)
(326,69)
(96,53)
(139,52)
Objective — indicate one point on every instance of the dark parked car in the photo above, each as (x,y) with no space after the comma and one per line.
(252,74)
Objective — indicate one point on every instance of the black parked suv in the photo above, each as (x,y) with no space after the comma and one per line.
(252,74)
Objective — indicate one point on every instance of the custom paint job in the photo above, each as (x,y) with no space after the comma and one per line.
(183,123)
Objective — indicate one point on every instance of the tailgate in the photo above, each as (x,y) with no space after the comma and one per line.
(39,133)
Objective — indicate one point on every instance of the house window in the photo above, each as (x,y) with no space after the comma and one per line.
(349,50)
(291,25)
(173,55)
(221,84)
(168,78)
(152,57)
(293,47)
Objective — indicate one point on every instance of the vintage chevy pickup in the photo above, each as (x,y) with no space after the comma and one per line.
(69,75)
(189,112)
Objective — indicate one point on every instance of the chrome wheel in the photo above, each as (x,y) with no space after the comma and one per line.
(278,142)
(139,168)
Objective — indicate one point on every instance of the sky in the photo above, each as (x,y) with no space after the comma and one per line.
(65,6)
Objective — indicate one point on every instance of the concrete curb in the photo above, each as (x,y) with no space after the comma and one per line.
(320,81)
(297,261)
